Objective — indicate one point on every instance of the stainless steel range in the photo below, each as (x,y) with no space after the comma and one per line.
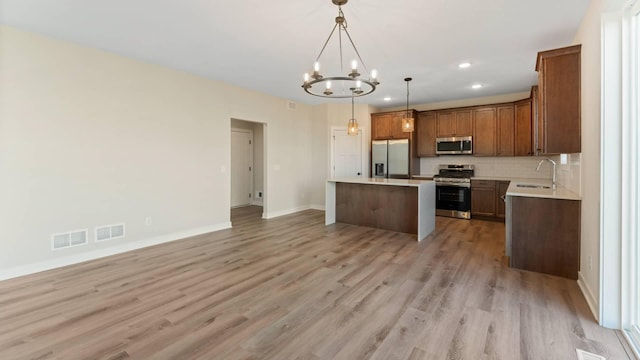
(453,190)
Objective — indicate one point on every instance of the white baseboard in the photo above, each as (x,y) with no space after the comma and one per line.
(588,295)
(275,214)
(100,253)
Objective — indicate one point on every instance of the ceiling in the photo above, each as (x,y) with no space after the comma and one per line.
(267,46)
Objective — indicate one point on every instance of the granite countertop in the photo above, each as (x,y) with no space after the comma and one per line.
(559,193)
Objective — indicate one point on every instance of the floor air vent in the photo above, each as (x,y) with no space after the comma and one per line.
(69,239)
(583,355)
(109,232)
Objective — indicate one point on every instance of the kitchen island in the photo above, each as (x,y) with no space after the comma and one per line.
(400,205)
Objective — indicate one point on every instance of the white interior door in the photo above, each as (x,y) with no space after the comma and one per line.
(347,154)
(241,168)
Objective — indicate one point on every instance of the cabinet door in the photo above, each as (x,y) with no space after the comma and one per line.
(426,134)
(484,131)
(559,93)
(445,124)
(395,127)
(380,127)
(483,201)
(523,130)
(505,131)
(463,123)
(501,192)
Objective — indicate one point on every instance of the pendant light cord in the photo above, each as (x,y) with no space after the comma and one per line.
(352,111)
(407,80)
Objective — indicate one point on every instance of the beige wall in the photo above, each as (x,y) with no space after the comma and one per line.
(324,118)
(589,36)
(88,138)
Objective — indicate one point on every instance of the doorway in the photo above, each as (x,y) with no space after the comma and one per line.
(248,178)
(241,167)
(347,154)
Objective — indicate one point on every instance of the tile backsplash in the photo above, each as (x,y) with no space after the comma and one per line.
(512,167)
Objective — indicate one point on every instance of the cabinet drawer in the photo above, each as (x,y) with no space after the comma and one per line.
(483,184)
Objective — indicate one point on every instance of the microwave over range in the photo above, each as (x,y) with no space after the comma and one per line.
(454,145)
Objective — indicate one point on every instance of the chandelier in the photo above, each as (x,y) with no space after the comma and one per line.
(340,86)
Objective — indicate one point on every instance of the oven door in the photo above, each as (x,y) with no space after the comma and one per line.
(453,201)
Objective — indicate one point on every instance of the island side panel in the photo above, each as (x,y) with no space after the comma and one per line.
(330,203)
(393,208)
(426,209)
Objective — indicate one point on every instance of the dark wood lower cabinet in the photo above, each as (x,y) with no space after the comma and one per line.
(385,207)
(487,201)
(545,235)
(501,192)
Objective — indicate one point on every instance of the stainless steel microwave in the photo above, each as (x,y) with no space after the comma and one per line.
(454,145)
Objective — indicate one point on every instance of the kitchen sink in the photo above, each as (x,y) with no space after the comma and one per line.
(531,186)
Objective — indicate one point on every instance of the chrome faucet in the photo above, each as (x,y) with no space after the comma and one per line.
(553,180)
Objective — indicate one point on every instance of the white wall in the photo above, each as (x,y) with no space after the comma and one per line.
(589,36)
(88,138)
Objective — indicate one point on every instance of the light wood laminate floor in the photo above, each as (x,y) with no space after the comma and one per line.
(291,288)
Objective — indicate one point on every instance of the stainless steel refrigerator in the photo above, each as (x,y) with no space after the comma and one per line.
(390,159)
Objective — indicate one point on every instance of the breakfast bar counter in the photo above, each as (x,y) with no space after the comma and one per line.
(401,205)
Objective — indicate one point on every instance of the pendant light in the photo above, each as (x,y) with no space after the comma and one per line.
(352,125)
(407,121)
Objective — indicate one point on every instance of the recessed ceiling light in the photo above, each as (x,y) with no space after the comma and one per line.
(387,98)
(464,65)
(476,86)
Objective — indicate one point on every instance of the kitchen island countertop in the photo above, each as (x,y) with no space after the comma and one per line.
(380,181)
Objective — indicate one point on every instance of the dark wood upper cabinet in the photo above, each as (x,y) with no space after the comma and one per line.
(454,123)
(559,118)
(505,130)
(388,125)
(484,131)
(523,128)
(464,123)
(426,134)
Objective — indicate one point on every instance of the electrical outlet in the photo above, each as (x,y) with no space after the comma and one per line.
(259,194)
(148,221)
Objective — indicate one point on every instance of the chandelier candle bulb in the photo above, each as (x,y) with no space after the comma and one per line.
(328,91)
(354,65)
(374,77)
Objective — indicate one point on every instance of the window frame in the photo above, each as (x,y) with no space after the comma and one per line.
(630,290)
